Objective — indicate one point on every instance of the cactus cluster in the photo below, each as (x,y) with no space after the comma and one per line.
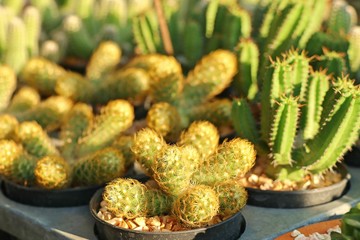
(308,119)
(183,172)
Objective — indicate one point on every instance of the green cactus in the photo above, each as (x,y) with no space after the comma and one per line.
(232,197)
(354,48)
(8,84)
(330,41)
(342,17)
(174,167)
(333,62)
(196,206)
(52,172)
(32,21)
(4,21)
(48,113)
(9,152)
(35,140)
(23,169)
(203,136)
(78,119)
(193,46)
(16,50)
(8,126)
(114,118)
(164,119)
(147,146)
(158,202)
(104,59)
(126,198)
(42,75)
(210,76)
(124,144)
(76,87)
(232,159)
(24,99)
(100,167)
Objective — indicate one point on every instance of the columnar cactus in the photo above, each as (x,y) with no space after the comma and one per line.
(8,126)
(124,144)
(23,168)
(7,86)
(24,99)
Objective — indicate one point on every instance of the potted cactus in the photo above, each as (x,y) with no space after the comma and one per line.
(191,187)
(308,121)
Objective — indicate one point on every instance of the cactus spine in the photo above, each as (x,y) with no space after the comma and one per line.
(23,169)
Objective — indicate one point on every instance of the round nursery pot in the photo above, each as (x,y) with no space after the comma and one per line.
(70,197)
(352,158)
(300,198)
(229,229)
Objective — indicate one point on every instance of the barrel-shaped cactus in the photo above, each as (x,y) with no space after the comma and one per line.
(10,151)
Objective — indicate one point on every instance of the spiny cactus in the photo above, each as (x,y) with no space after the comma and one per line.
(158,202)
(126,198)
(232,197)
(114,118)
(342,17)
(75,123)
(42,74)
(52,172)
(196,206)
(32,21)
(333,62)
(232,159)
(35,140)
(147,146)
(174,167)
(203,136)
(100,167)
(23,169)
(104,59)
(48,113)
(124,144)
(10,151)
(24,99)
(8,85)
(8,126)
(354,48)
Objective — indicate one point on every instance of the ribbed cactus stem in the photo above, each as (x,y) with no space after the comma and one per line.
(276,83)
(24,99)
(333,62)
(147,146)
(342,17)
(248,61)
(114,118)
(8,126)
(32,21)
(16,50)
(174,167)
(4,21)
(8,84)
(211,13)
(75,123)
(193,46)
(311,112)
(105,58)
(42,74)
(35,140)
(354,48)
(99,168)
(339,132)
(282,135)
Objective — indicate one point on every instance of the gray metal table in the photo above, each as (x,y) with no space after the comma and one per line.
(27,222)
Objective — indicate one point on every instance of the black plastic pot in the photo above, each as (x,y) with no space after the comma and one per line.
(300,198)
(230,229)
(76,196)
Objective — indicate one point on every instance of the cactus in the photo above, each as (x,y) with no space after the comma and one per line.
(114,118)
(24,99)
(354,48)
(196,206)
(35,140)
(75,123)
(52,172)
(100,167)
(10,151)
(32,21)
(42,74)
(147,145)
(333,62)
(48,113)
(23,169)
(8,86)
(124,144)
(104,59)
(232,159)
(203,136)
(158,202)
(8,126)
(232,197)
(126,198)
(16,50)
(342,17)
(174,167)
